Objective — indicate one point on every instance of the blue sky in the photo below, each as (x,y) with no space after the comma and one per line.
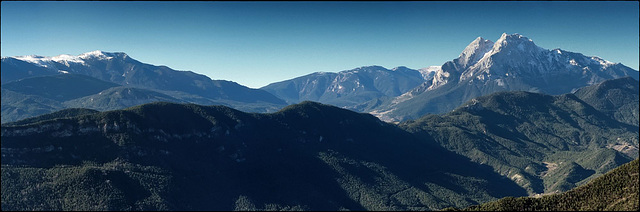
(256,43)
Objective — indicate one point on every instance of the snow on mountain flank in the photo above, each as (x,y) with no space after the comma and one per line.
(601,61)
(428,72)
(35,59)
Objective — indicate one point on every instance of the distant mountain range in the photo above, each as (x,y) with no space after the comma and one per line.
(121,69)
(513,62)
(348,89)
(34,85)
(312,156)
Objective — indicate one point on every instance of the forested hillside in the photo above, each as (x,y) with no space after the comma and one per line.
(166,156)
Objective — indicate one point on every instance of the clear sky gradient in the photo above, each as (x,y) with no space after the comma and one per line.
(256,43)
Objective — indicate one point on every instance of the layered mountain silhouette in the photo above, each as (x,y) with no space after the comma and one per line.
(513,62)
(102,131)
(310,156)
(121,69)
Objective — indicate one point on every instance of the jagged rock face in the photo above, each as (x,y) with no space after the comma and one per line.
(518,57)
(473,52)
(515,56)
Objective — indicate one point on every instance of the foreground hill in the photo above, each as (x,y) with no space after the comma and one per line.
(165,156)
(615,191)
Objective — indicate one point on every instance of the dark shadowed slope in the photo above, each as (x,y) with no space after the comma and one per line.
(188,157)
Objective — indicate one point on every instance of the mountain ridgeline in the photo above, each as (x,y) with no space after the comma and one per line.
(512,63)
(121,69)
(312,156)
(616,98)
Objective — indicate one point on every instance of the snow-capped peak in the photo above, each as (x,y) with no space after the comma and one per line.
(36,59)
(94,54)
(430,69)
(515,37)
(474,52)
(65,59)
(516,40)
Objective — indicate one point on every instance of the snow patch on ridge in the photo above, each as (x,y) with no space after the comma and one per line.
(94,54)
(37,60)
(64,59)
(603,62)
